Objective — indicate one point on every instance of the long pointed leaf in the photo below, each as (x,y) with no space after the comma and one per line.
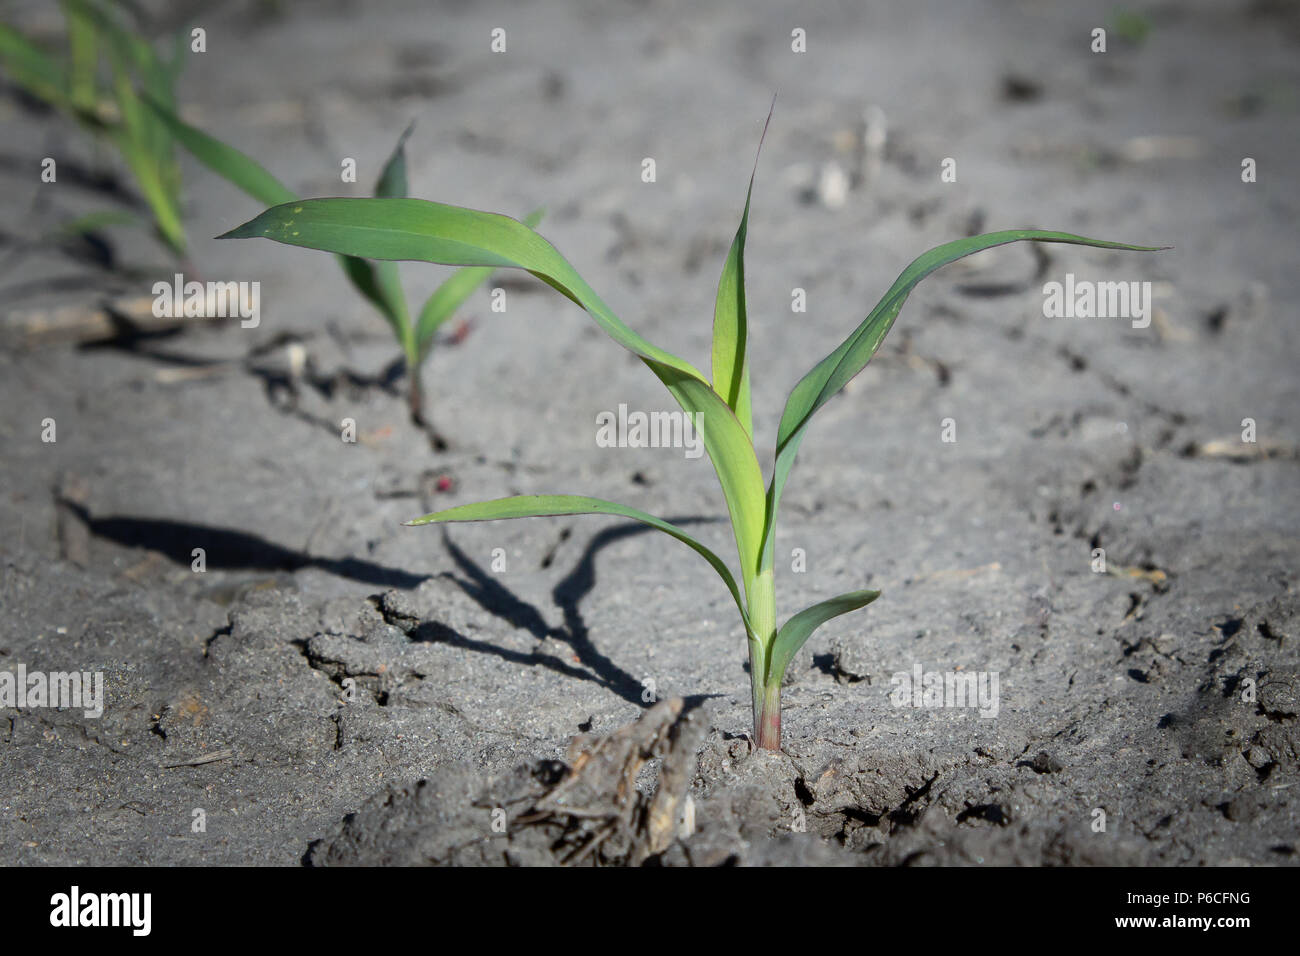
(391,302)
(452,235)
(833,372)
(245,173)
(452,293)
(731,321)
(392,181)
(387,278)
(796,631)
(417,229)
(541,506)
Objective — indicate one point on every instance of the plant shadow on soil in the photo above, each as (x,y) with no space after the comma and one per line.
(500,601)
(227,549)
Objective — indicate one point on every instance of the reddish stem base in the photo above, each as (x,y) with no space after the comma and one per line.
(769,720)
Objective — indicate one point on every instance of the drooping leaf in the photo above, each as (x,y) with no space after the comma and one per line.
(541,506)
(833,372)
(731,321)
(796,631)
(451,294)
(434,232)
(244,172)
(416,229)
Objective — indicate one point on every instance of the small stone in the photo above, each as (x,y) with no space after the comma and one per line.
(1046,763)
(1258,757)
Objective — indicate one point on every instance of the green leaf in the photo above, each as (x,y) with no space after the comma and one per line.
(730,321)
(227,162)
(541,506)
(29,67)
(83,60)
(452,293)
(365,278)
(833,372)
(94,221)
(136,50)
(253,178)
(134,139)
(392,303)
(452,235)
(416,229)
(387,278)
(247,174)
(180,54)
(134,56)
(392,181)
(796,631)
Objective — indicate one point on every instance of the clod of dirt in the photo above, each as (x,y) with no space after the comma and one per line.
(849,661)
(1046,763)
(399,609)
(594,808)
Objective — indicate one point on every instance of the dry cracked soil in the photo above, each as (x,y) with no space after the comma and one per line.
(336,688)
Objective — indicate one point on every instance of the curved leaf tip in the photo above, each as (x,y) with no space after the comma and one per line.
(796,631)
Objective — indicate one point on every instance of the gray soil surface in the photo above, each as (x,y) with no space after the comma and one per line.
(329,660)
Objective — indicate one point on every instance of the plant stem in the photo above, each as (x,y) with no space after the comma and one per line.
(767,698)
(416,395)
(768,725)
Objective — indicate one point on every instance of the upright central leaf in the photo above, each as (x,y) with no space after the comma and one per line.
(387,277)
(731,330)
(731,319)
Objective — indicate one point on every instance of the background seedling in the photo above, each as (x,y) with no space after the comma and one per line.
(379,282)
(433,232)
(71,82)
